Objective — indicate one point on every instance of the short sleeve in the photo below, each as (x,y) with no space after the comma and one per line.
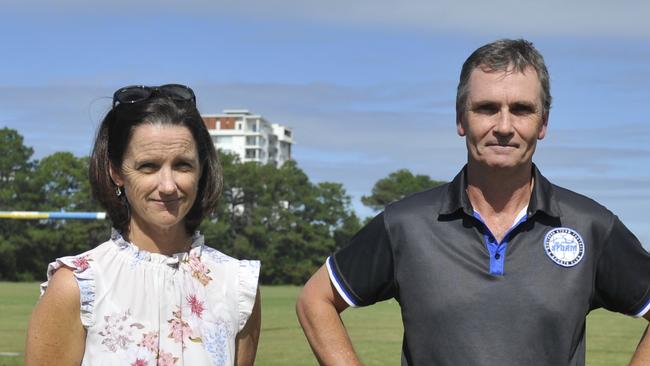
(362,272)
(249,272)
(84,274)
(623,273)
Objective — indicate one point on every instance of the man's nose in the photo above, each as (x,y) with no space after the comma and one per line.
(504,124)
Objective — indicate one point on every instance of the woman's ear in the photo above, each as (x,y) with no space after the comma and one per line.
(115,175)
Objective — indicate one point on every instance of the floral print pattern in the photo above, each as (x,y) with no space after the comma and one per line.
(215,341)
(218,257)
(118,331)
(166,359)
(199,269)
(178,328)
(149,342)
(196,305)
(138,356)
(81,263)
(117,335)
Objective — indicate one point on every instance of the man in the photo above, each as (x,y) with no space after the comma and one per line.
(498,267)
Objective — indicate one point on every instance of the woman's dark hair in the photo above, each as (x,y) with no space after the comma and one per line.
(113,138)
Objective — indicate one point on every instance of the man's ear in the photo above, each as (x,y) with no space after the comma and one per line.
(542,130)
(460,128)
(115,175)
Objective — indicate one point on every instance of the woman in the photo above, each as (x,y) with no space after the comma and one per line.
(153,294)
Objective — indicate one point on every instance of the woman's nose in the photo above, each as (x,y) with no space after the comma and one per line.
(167,184)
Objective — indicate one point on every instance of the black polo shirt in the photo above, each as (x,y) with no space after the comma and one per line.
(467,299)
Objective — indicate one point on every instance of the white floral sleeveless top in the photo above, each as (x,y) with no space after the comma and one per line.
(142,308)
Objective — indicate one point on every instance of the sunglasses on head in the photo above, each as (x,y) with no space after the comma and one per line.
(138,93)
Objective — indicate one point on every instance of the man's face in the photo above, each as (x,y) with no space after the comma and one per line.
(503,118)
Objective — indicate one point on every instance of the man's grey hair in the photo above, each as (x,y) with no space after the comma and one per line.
(508,55)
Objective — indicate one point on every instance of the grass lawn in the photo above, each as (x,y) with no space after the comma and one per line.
(376,331)
(16,302)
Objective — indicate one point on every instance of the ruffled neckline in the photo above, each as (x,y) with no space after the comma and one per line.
(157,258)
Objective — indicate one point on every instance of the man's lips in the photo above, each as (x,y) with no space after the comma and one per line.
(502,145)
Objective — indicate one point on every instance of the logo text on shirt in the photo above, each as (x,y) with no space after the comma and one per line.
(564,246)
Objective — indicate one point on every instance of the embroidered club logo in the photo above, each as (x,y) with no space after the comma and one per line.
(564,246)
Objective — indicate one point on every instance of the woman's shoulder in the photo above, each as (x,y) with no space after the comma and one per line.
(219,257)
(63,285)
(246,270)
(63,291)
(73,277)
(80,262)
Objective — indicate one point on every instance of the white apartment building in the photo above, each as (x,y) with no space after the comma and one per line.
(250,136)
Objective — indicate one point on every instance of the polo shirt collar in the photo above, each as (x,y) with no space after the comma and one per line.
(456,198)
(541,199)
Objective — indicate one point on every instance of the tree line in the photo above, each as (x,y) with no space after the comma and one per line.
(273,214)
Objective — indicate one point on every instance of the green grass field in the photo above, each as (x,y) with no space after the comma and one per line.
(376,331)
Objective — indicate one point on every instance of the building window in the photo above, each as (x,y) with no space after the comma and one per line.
(251,154)
(287,133)
(222,140)
(251,140)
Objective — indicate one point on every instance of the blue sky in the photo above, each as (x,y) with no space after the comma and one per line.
(367,86)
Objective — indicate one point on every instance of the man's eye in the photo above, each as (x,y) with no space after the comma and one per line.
(486,109)
(522,110)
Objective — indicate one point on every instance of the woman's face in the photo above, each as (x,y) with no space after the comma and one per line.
(160,176)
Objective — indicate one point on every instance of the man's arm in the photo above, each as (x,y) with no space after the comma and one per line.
(642,354)
(247,339)
(318,309)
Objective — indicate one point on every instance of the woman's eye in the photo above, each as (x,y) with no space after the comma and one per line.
(147,167)
(185,166)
